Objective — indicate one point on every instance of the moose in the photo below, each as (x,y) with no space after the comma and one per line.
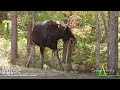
(47,34)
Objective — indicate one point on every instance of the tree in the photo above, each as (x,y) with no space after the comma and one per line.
(31,44)
(29,30)
(3,16)
(97,43)
(106,28)
(113,42)
(108,37)
(14,34)
(67,47)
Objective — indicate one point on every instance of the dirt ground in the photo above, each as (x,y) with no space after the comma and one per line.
(36,73)
(20,72)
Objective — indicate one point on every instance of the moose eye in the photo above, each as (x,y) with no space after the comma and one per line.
(58,25)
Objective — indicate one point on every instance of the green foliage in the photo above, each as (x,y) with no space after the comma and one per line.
(49,15)
(23,18)
(3,16)
(84,52)
(5,48)
(87,18)
(5,27)
(22,59)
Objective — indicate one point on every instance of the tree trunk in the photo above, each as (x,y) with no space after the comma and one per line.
(106,27)
(97,43)
(29,30)
(8,28)
(113,43)
(32,45)
(108,38)
(14,38)
(105,24)
(66,52)
(3,16)
(67,49)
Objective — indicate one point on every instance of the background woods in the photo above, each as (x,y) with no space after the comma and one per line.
(97,34)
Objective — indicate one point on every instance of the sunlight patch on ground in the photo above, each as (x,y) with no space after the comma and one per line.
(4,52)
(4,62)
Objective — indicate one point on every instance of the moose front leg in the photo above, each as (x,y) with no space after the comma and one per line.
(42,49)
(59,61)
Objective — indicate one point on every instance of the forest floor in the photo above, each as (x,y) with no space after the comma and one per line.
(36,73)
(8,71)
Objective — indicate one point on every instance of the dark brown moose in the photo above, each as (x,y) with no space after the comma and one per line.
(47,34)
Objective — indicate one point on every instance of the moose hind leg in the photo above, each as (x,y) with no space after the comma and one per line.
(53,57)
(42,56)
(59,61)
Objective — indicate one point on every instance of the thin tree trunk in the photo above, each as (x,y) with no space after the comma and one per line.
(29,28)
(97,43)
(14,38)
(113,42)
(105,24)
(8,28)
(32,45)
(3,16)
(67,48)
(106,32)
(66,52)
(108,38)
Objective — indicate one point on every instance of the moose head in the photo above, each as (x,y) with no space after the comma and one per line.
(68,35)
